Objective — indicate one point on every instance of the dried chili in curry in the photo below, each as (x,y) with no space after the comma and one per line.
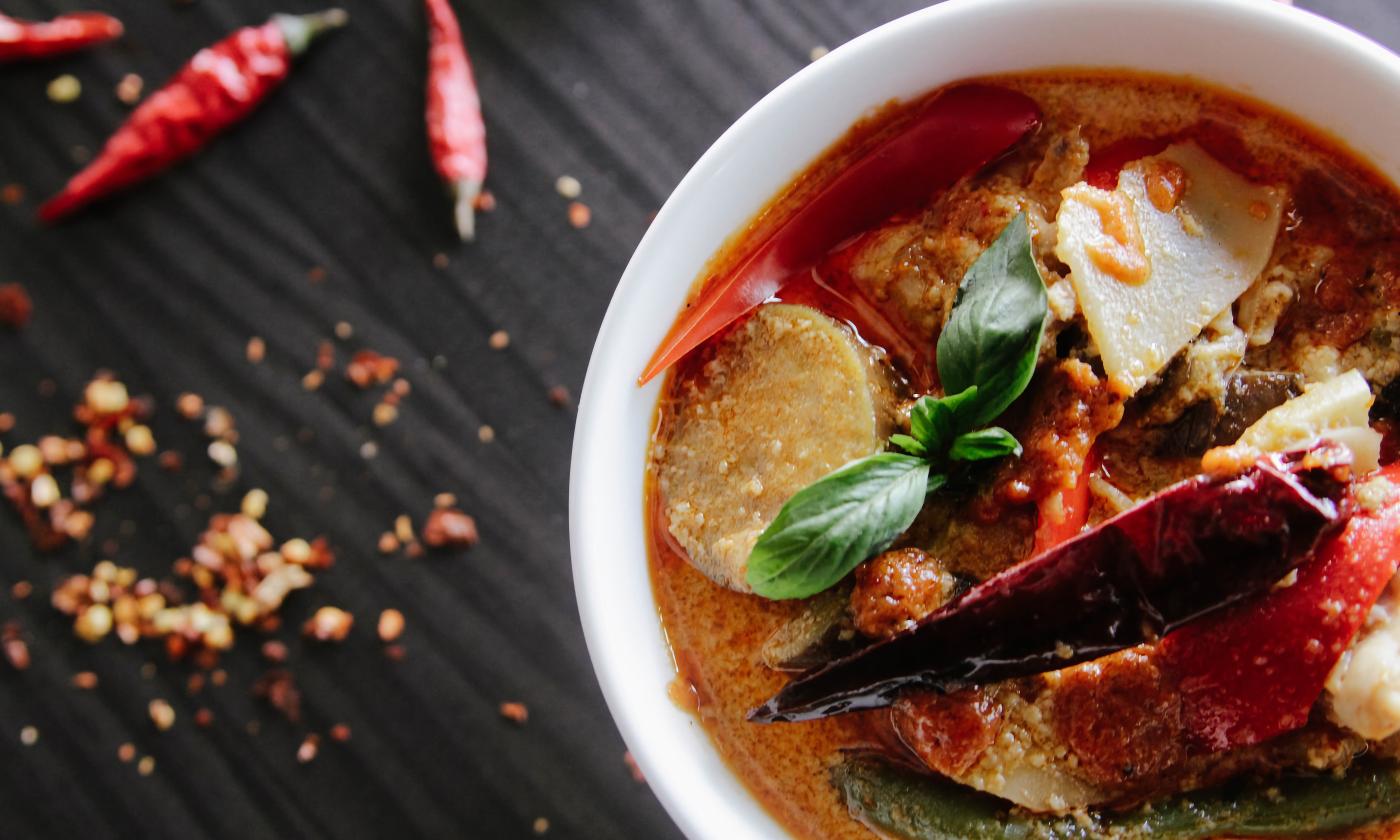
(22,40)
(456,131)
(217,88)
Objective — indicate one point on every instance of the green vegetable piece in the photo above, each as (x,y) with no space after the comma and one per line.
(991,442)
(829,527)
(935,421)
(992,337)
(900,803)
(908,444)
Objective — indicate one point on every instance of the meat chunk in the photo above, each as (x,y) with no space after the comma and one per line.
(787,397)
(898,588)
(948,732)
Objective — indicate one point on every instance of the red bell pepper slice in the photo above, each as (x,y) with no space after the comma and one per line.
(954,134)
(1054,527)
(1254,671)
(1105,164)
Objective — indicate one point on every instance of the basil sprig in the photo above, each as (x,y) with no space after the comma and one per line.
(986,356)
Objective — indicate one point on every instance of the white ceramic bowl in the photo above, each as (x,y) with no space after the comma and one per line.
(1317,70)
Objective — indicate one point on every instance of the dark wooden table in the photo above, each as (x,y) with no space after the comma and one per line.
(166,285)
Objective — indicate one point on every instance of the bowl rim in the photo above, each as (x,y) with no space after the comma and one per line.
(594,516)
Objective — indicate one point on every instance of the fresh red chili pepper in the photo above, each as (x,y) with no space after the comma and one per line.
(1196,547)
(21,40)
(220,86)
(1255,670)
(1055,526)
(954,134)
(456,131)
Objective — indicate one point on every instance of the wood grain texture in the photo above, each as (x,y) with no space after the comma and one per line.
(166,284)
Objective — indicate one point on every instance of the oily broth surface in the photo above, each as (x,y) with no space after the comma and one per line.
(716,634)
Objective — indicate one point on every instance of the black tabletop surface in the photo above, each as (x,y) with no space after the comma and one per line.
(166,285)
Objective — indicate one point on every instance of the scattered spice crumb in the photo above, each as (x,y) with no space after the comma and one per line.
(171,461)
(280,691)
(500,340)
(316,274)
(817,52)
(450,528)
(256,350)
(444,500)
(325,355)
(403,528)
(162,714)
(146,766)
(633,768)
(222,453)
(313,380)
(254,503)
(29,736)
(390,625)
(194,684)
(274,651)
(579,214)
(126,753)
(440,261)
(64,89)
(307,751)
(516,713)
(15,306)
(16,651)
(203,718)
(190,406)
(340,732)
(7,421)
(21,589)
(11,194)
(388,543)
(560,397)
(368,368)
(344,331)
(439,362)
(329,624)
(369,449)
(568,187)
(384,414)
(84,680)
(485,201)
(394,653)
(485,434)
(129,89)
(541,825)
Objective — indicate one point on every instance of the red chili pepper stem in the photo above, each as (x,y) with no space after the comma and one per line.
(300,30)
(464,195)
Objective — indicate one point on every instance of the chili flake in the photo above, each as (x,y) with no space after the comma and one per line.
(329,624)
(129,89)
(500,340)
(340,732)
(64,89)
(11,194)
(15,306)
(450,528)
(256,350)
(84,680)
(579,214)
(162,714)
(568,187)
(29,736)
(516,713)
(307,751)
(390,625)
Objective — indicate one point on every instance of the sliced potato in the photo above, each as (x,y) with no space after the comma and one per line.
(1158,258)
(788,397)
(1337,410)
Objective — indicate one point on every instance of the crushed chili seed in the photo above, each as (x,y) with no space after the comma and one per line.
(516,713)
(344,331)
(307,751)
(444,500)
(325,356)
(7,421)
(384,414)
(633,768)
(401,387)
(129,89)
(313,380)
(568,187)
(190,406)
(390,625)
(579,215)
(146,766)
(340,732)
(280,691)
(254,503)
(12,194)
(21,589)
(388,543)
(560,397)
(368,368)
(222,453)
(485,202)
(403,528)
(171,461)
(195,684)
(485,434)
(395,653)
(256,350)
(16,651)
(329,624)
(64,89)
(84,680)
(450,528)
(219,677)
(369,449)
(316,274)
(126,753)
(440,260)
(274,651)
(499,340)
(15,306)
(29,736)
(203,718)
(413,550)
(817,52)
(162,714)
(218,423)
(540,825)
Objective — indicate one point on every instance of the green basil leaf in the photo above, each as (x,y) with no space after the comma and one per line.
(935,421)
(829,527)
(991,442)
(992,337)
(936,481)
(908,444)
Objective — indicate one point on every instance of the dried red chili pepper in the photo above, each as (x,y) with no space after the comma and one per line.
(220,86)
(456,131)
(1143,573)
(21,40)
